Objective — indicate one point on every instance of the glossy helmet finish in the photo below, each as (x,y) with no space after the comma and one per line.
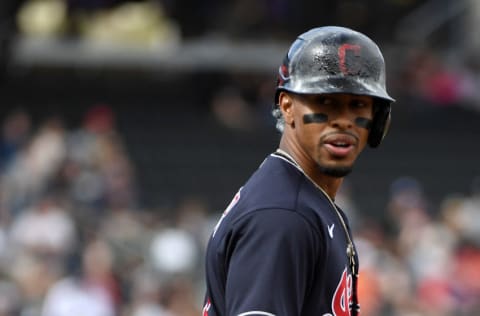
(335,59)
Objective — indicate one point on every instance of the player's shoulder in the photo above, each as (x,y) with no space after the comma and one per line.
(278,186)
(274,184)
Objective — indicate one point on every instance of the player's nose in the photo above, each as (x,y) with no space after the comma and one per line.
(341,117)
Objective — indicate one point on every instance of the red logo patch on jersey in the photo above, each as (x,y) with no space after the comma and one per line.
(206,307)
(343,295)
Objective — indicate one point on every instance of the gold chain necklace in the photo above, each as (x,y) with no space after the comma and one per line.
(350,251)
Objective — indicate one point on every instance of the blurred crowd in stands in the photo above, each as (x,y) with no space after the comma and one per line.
(421,259)
(74,237)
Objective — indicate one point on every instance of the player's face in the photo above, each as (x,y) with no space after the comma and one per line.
(331,129)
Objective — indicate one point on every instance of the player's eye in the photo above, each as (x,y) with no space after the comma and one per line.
(358,104)
(361,103)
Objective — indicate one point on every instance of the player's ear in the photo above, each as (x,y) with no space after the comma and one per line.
(285,102)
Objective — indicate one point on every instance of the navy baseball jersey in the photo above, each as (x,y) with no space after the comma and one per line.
(279,249)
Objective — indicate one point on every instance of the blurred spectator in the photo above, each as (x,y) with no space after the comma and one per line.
(369,285)
(35,168)
(465,286)
(9,298)
(44,229)
(47,152)
(16,129)
(180,297)
(147,295)
(94,291)
(431,262)
(69,296)
(118,174)
(469,213)
(128,237)
(98,170)
(407,203)
(32,274)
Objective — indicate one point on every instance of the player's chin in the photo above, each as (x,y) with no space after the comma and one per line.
(335,170)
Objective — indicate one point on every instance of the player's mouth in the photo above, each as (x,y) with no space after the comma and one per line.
(339,144)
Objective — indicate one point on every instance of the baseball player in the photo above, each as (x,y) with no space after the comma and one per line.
(282,246)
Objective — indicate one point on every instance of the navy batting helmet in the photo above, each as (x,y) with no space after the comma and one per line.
(335,59)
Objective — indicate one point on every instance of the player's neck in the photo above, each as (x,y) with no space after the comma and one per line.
(328,183)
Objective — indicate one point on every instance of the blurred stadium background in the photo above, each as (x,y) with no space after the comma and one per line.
(127,126)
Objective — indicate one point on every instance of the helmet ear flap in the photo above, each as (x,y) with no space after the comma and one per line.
(380,125)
